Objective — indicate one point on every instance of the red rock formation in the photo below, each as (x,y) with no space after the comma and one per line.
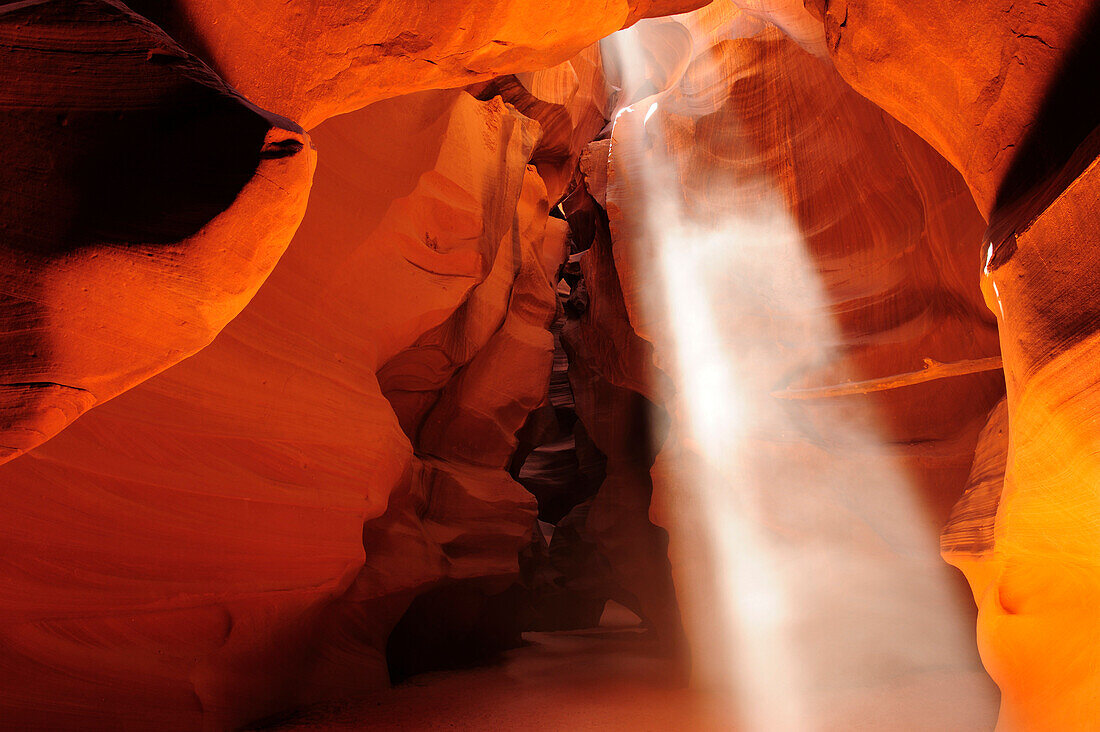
(569,103)
(145,202)
(887,227)
(173,555)
(970,80)
(334,57)
(1009,97)
(462,391)
(333,491)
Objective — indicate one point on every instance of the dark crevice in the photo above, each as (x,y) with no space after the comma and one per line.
(1061,142)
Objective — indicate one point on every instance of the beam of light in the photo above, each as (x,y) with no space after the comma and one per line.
(756,655)
(807,590)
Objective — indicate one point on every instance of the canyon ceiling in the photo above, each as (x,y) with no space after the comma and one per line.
(343,341)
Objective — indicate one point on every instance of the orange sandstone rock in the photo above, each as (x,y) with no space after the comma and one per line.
(968,539)
(568,101)
(985,83)
(457,520)
(144,204)
(313,59)
(1006,92)
(828,244)
(176,558)
(1042,578)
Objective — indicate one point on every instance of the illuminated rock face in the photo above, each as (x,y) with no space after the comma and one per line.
(569,103)
(873,237)
(193,546)
(144,203)
(1036,625)
(999,78)
(284,517)
(967,539)
(312,59)
(1008,99)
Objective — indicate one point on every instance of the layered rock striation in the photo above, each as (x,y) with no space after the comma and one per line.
(145,202)
(557,315)
(313,59)
(1007,98)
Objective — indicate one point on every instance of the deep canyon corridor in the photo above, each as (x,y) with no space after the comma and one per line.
(491,365)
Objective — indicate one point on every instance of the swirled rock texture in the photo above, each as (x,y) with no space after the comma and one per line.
(773,232)
(682,320)
(204,549)
(997,78)
(1037,587)
(144,203)
(335,57)
(1009,98)
(968,539)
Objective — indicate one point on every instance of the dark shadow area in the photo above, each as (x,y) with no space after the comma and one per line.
(451,627)
(555,459)
(157,176)
(145,148)
(1060,144)
(172,19)
(602,679)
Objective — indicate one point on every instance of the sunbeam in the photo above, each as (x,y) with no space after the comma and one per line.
(821,584)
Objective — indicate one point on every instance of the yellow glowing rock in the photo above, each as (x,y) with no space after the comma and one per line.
(967,540)
(1036,627)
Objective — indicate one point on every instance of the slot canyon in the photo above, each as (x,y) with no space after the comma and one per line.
(491,365)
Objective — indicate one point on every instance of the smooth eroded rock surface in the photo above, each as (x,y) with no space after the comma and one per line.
(775,235)
(179,557)
(312,59)
(144,204)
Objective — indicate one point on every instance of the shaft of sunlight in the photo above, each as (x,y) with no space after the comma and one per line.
(787,604)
